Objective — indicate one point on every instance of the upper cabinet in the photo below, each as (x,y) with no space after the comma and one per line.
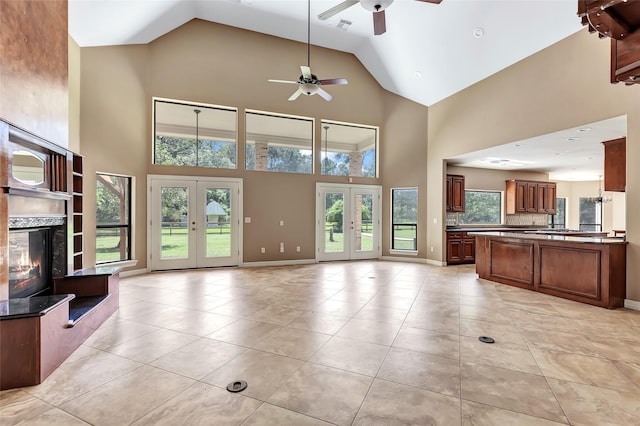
(530,197)
(615,164)
(455,194)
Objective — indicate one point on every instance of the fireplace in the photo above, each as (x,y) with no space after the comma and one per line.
(29,267)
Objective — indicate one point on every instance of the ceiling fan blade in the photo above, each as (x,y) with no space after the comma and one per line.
(334,81)
(283,81)
(295,95)
(306,71)
(379,23)
(326,96)
(337,9)
(431,1)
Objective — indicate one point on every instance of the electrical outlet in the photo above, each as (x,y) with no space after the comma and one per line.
(262,250)
(281,247)
(298,249)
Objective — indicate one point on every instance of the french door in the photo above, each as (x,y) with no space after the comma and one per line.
(348,222)
(194,222)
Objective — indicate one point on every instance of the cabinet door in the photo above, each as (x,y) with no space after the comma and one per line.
(469,250)
(521,197)
(449,193)
(551,198)
(531,197)
(615,164)
(455,193)
(543,200)
(454,251)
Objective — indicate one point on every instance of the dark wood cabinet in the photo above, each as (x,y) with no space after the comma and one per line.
(461,248)
(530,197)
(455,193)
(615,164)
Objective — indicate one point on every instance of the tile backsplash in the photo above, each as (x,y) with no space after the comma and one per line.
(527,220)
(540,220)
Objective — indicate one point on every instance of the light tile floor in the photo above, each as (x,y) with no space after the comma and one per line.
(368,342)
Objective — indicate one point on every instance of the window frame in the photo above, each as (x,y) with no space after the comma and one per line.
(312,149)
(376,148)
(551,220)
(128,226)
(155,100)
(597,204)
(393,249)
(501,205)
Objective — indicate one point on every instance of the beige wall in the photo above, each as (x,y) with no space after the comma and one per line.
(563,86)
(212,63)
(488,179)
(613,211)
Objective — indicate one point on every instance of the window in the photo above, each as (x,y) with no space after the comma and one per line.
(590,214)
(404,226)
(559,220)
(113,218)
(348,149)
(278,143)
(196,135)
(481,208)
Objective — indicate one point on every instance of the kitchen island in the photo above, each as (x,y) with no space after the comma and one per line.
(585,269)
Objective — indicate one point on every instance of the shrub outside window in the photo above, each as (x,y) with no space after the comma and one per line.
(113,218)
(404,226)
(481,208)
(195,135)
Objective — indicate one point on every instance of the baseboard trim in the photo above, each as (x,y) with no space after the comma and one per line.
(278,263)
(403,259)
(124,274)
(436,262)
(632,304)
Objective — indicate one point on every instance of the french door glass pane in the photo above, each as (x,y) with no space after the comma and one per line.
(334,222)
(217,214)
(174,240)
(363,236)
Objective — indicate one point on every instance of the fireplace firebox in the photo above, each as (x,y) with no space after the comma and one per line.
(29,268)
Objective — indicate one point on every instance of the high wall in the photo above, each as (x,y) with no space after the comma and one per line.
(212,63)
(563,86)
(33,67)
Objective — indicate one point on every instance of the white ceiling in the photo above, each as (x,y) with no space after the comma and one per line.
(428,53)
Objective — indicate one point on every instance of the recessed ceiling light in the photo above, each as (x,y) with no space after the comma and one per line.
(585,129)
(418,74)
(516,144)
(478,32)
(573,139)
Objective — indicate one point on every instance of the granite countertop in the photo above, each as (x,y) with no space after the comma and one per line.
(546,237)
(494,228)
(98,270)
(31,306)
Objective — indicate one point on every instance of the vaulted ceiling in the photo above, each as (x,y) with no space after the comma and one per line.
(428,53)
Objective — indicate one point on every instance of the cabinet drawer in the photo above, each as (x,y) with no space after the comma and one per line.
(455,235)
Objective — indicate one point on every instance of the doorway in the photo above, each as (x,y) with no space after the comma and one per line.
(348,222)
(193,222)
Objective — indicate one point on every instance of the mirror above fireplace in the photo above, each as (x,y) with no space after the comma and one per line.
(27,167)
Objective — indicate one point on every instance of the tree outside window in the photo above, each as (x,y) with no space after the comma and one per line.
(404,226)
(113,218)
(481,208)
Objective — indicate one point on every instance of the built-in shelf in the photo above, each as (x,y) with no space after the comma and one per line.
(78,233)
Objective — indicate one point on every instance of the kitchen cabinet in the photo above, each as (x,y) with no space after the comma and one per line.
(461,248)
(530,197)
(615,164)
(455,193)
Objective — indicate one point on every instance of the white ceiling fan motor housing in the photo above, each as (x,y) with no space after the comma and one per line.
(308,88)
(375,5)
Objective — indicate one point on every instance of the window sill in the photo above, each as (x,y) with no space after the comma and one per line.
(120,264)
(405,252)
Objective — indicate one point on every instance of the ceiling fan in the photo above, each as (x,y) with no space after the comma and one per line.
(375,6)
(308,83)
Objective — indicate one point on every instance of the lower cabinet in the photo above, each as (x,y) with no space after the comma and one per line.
(461,248)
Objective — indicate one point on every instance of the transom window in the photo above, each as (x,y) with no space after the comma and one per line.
(278,143)
(348,149)
(192,134)
(481,208)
